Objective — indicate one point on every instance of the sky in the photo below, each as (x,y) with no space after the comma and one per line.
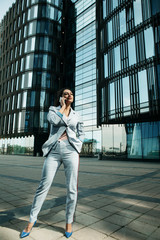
(4,7)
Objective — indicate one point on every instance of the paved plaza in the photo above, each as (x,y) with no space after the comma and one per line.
(116,200)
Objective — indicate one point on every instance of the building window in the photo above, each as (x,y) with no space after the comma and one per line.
(110,31)
(29,61)
(117,58)
(32,12)
(137,12)
(126,96)
(122,21)
(18,100)
(130,18)
(27,80)
(143,90)
(105,65)
(111,100)
(30,44)
(149,42)
(104,9)
(131,51)
(24,100)
(32,28)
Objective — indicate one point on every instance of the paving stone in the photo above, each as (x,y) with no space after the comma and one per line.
(9,234)
(86,219)
(155,235)
(128,234)
(105,227)
(111,208)
(99,213)
(129,214)
(88,234)
(141,227)
(154,221)
(84,208)
(119,220)
(49,233)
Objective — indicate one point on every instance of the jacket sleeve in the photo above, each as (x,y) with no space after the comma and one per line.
(80,129)
(54,117)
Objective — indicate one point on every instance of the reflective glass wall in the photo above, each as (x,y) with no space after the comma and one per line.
(128,61)
(85,72)
(30,72)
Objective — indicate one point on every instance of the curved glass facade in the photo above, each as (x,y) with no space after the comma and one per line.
(30,70)
(128,69)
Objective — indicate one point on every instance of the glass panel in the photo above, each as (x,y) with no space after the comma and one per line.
(18,100)
(149,42)
(24,100)
(105,65)
(27,80)
(126,96)
(117,59)
(110,36)
(137,12)
(143,86)
(122,19)
(32,28)
(132,51)
(42,98)
(115,3)
(104,9)
(30,45)
(111,100)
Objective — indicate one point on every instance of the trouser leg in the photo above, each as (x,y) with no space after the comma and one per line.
(50,167)
(71,165)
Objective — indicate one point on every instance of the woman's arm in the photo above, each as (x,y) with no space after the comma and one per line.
(54,117)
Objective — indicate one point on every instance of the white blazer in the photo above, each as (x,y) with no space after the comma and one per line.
(60,123)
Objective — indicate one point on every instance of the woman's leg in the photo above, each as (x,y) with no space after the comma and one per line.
(71,165)
(50,167)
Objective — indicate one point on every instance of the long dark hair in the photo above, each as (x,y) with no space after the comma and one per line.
(59,94)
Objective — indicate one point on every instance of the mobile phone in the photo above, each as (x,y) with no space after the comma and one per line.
(60,99)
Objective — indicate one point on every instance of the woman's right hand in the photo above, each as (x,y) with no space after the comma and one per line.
(62,102)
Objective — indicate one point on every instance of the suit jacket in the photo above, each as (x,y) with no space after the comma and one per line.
(60,123)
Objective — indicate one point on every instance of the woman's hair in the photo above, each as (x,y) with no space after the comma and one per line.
(59,94)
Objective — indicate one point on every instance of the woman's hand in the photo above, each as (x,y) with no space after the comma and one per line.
(62,102)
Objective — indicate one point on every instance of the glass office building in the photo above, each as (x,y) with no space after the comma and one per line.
(30,73)
(85,71)
(128,67)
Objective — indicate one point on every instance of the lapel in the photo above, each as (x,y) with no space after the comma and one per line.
(65,119)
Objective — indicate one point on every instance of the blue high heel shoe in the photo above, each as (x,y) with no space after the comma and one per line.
(68,234)
(25,234)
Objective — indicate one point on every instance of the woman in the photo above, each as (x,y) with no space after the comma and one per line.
(63,146)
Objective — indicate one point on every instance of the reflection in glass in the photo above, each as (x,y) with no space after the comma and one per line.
(149,42)
(18,100)
(30,44)
(122,19)
(27,80)
(126,96)
(24,100)
(137,12)
(132,51)
(105,65)
(111,97)
(143,86)
(110,31)
(117,58)
(42,98)
(115,3)
(104,9)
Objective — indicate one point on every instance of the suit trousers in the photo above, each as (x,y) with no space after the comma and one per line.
(64,153)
